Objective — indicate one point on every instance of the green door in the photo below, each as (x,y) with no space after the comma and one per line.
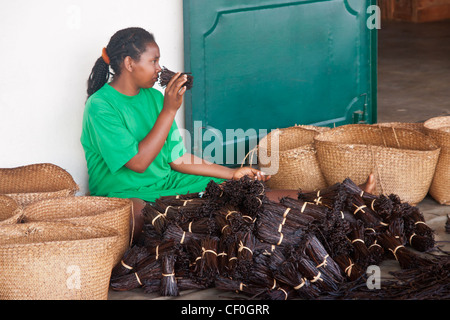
(265,64)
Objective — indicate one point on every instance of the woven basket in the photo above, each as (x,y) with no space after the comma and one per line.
(10,210)
(439,129)
(34,182)
(55,261)
(293,165)
(402,160)
(418,126)
(96,211)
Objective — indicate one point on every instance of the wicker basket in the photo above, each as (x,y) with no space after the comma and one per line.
(96,211)
(402,160)
(439,129)
(418,126)
(293,165)
(34,182)
(10,210)
(55,261)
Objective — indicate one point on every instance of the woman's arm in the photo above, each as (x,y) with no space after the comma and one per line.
(151,145)
(190,164)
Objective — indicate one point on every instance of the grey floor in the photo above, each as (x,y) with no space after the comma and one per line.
(413,86)
(413,71)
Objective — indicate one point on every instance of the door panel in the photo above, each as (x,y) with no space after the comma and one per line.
(261,65)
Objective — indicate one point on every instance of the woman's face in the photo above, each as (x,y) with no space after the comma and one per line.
(146,70)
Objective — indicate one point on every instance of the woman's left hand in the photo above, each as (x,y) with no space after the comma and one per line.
(251,172)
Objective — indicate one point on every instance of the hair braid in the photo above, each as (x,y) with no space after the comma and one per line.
(126,42)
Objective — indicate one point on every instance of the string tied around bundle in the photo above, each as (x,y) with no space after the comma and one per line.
(395,251)
(242,247)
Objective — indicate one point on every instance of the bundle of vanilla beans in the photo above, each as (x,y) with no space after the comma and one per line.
(318,246)
(166,75)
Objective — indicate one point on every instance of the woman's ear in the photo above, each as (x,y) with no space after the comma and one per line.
(128,63)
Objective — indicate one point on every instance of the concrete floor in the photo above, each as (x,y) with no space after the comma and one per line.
(413,71)
(413,86)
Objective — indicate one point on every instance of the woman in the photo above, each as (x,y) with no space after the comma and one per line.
(132,145)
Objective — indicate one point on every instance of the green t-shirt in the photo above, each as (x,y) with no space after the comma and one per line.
(113,126)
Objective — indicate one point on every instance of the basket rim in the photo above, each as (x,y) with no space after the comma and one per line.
(102,233)
(433,147)
(65,176)
(83,200)
(432,121)
(297,128)
(16,211)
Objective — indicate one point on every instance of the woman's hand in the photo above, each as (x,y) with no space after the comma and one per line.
(173,95)
(251,172)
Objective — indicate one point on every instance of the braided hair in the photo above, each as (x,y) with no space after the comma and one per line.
(130,42)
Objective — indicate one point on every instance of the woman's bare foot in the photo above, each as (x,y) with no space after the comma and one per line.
(369,185)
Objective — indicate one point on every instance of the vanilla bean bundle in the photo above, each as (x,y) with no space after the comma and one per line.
(351,269)
(361,253)
(234,238)
(166,75)
(362,212)
(288,273)
(291,216)
(314,211)
(317,253)
(176,233)
(406,258)
(130,260)
(237,286)
(155,218)
(136,279)
(169,285)
(275,233)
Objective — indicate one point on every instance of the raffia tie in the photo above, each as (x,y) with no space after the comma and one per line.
(348,270)
(395,251)
(206,251)
(324,262)
(125,265)
(242,247)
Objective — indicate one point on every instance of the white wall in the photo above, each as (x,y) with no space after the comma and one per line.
(48,48)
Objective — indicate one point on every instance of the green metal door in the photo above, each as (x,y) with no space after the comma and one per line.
(265,64)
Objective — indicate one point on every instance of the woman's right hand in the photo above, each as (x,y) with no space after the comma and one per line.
(173,96)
